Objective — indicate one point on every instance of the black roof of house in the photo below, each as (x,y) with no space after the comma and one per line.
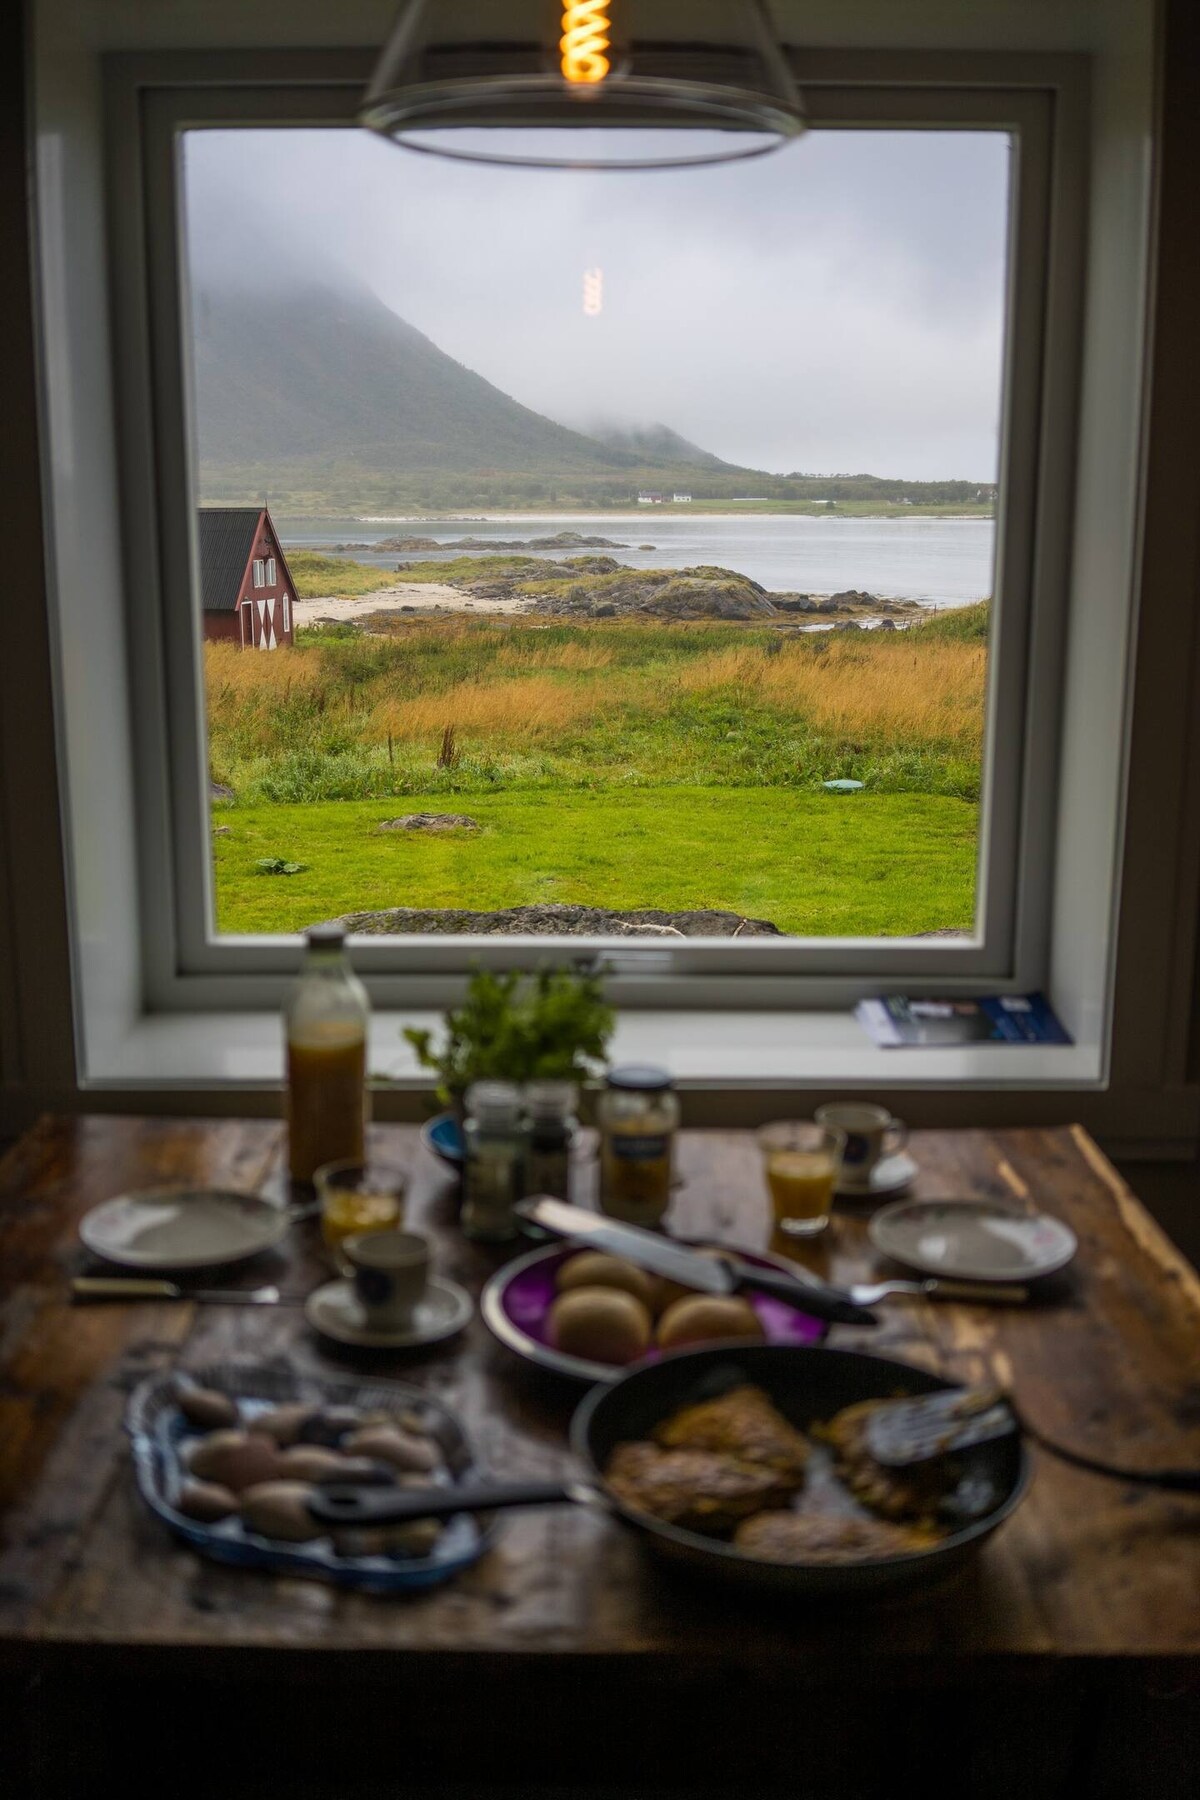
(226,539)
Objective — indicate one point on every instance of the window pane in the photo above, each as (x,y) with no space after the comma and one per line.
(640,531)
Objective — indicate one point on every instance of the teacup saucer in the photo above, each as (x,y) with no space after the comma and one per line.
(890,1175)
(334,1311)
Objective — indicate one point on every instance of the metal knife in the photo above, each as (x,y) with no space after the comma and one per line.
(728,1275)
(114,1287)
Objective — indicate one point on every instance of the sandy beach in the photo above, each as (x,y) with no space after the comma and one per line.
(407,596)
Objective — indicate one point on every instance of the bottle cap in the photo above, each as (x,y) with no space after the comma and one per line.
(499,1101)
(325,937)
(550,1099)
(642,1078)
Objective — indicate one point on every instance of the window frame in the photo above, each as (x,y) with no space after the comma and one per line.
(1043,100)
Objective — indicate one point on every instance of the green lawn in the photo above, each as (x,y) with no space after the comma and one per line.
(819,864)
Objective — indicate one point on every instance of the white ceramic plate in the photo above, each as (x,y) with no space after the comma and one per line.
(890,1175)
(182,1228)
(979,1240)
(334,1311)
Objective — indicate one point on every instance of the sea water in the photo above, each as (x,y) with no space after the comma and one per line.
(942,562)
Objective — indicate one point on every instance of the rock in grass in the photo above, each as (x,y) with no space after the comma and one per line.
(431,822)
(555,919)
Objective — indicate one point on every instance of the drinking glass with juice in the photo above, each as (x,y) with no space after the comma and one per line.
(325,1024)
(801,1163)
(357,1198)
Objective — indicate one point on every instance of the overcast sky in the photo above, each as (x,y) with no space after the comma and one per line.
(834,307)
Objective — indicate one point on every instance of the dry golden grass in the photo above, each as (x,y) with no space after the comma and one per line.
(535,708)
(861,686)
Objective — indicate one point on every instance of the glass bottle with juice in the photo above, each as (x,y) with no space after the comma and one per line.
(325,1018)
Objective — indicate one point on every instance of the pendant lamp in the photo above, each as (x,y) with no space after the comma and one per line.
(621,84)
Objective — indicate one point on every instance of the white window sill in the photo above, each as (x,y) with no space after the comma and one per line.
(738,1051)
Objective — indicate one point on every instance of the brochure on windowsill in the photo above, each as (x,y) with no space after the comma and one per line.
(893,1021)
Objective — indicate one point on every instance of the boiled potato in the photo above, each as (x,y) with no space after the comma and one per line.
(592,1268)
(233,1459)
(279,1509)
(601,1324)
(702,1318)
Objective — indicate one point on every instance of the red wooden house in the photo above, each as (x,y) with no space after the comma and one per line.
(246,587)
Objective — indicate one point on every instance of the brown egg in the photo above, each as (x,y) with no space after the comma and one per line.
(703,1318)
(592,1268)
(283,1424)
(205,1407)
(309,1462)
(667,1292)
(388,1444)
(600,1324)
(233,1459)
(416,1538)
(279,1509)
(206,1501)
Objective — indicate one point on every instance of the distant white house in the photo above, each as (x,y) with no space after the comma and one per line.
(682,499)
(651,499)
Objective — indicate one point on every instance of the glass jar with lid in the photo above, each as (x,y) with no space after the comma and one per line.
(494,1143)
(638,1116)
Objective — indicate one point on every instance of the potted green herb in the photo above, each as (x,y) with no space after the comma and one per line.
(552,1024)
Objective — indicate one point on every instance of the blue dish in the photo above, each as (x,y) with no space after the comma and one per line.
(443,1135)
(159,1431)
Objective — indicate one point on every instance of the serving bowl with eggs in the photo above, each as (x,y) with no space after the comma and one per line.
(229,1457)
(589,1315)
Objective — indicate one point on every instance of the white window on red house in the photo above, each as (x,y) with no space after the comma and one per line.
(258,571)
(270,571)
(287,615)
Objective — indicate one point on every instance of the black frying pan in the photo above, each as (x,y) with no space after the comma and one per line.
(808,1385)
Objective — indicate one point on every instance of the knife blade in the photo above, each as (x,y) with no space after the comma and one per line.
(691,1268)
(114,1287)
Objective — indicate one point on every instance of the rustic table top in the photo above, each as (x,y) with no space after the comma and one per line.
(1087,1568)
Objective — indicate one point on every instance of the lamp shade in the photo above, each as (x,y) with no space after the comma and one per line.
(623,84)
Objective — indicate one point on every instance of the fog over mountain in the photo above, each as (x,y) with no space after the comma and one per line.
(838,305)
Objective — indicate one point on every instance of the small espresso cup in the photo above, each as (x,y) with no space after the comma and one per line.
(390,1274)
(871,1133)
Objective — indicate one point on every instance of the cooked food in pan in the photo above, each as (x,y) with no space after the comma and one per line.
(698,1489)
(905,1494)
(742,1423)
(734,1466)
(827,1537)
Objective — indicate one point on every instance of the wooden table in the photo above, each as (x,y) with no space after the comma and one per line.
(1066,1659)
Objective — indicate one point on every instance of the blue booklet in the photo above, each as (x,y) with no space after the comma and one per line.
(894,1020)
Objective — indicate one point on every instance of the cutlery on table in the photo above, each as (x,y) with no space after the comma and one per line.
(114,1287)
(728,1274)
(936,1287)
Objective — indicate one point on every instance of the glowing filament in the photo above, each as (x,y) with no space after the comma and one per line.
(593,292)
(584,41)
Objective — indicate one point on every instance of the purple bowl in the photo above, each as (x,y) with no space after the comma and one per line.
(515,1305)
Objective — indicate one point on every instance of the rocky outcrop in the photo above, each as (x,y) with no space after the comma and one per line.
(433,822)
(703,592)
(553,919)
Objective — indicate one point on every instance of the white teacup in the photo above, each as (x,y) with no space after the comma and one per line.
(391,1274)
(871,1133)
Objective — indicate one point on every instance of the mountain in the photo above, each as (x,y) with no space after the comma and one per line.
(658,444)
(314,387)
(326,401)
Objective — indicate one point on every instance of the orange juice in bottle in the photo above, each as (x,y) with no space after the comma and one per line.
(325,1026)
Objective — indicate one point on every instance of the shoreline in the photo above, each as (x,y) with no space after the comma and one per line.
(441,598)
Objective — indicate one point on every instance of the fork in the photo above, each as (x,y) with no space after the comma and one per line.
(867,1293)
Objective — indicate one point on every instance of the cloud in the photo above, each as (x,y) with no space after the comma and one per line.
(836,306)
